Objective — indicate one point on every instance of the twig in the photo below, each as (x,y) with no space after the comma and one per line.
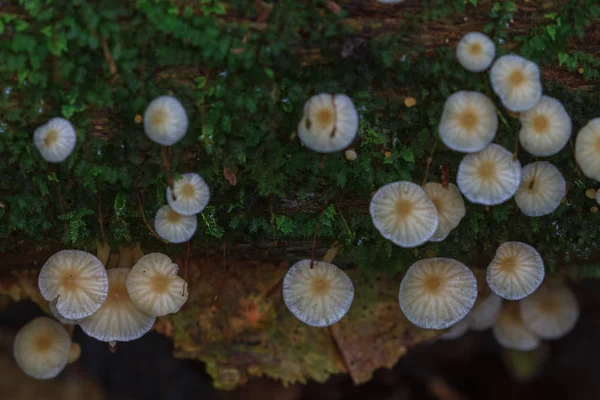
(112,67)
(139,198)
(163,152)
(272,220)
(429,161)
(100,218)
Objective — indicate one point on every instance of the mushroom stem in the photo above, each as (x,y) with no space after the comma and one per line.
(166,164)
(139,197)
(112,346)
(429,161)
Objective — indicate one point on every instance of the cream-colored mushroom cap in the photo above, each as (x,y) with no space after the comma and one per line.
(550,312)
(516,81)
(55,140)
(475,52)
(484,314)
(510,332)
(516,271)
(58,316)
(436,293)
(457,330)
(41,348)
(542,189)
(174,227)
(74,353)
(489,177)
(546,128)
(318,296)
(403,213)
(329,123)
(165,120)
(118,319)
(469,122)
(154,286)
(77,280)
(587,149)
(449,205)
(189,196)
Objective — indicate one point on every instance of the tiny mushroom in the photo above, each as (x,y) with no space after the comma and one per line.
(55,140)
(436,293)
(319,295)
(165,120)
(516,81)
(542,189)
(190,194)
(449,205)
(485,312)
(546,128)
(475,52)
(510,332)
(587,149)
(516,271)
(329,123)
(174,227)
(403,213)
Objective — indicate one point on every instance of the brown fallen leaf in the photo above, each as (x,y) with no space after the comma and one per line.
(230,176)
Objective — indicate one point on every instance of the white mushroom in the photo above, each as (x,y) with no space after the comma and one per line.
(190,194)
(542,189)
(55,140)
(517,82)
(174,227)
(475,52)
(510,332)
(449,205)
(587,149)
(546,128)
(165,120)
(484,314)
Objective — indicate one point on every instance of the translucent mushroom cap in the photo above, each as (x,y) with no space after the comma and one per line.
(189,196)
(436,293)
(118,320)
(449,205)
(489,177)
(74,353)
(41,348)
(403,213)
(174,227)
(77,280)
(516,81)
(329,123)
(510,332)
(469,122)
(542,189)
(475,52)
(58,316)
(154,286)
(550,312)
(516,271)
(546,128)
(318,296)
(587,149)
(457,330)
(485,312)
(165,120)
(55,140)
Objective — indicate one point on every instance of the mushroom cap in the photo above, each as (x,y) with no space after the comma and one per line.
(329,123)
(55,140)
(318,296)
(457,330)
(516,271)
(74,353)
(41,348)
(587,149)
(174,227)
(542,189)
(489,177)
(154,286)
(403,213)
(436,293)
(510,332)
(449,205)
(475,52)
(118,319)
(165,120)
(190,194)
(550,312)
(77,280)
(546,128)
(469,122)
(58,316)
(485,312)
(516,81)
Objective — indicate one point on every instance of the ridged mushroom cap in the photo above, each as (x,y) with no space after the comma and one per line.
(41,348)
(469,122)
(436,293)
(154,286)
(58,316)
(550,312)
(174,227)
(190,194)
(118,320)
(449,205)
(510,332)
(318,296)
(329,123)
(542,189)
(485,312)
(165,120)
(457,330)
(475,52)
(587,149)
(546,128)
(516,271)
(55,140)
(403,213)
(489,177)
(516,81)
(77,280)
